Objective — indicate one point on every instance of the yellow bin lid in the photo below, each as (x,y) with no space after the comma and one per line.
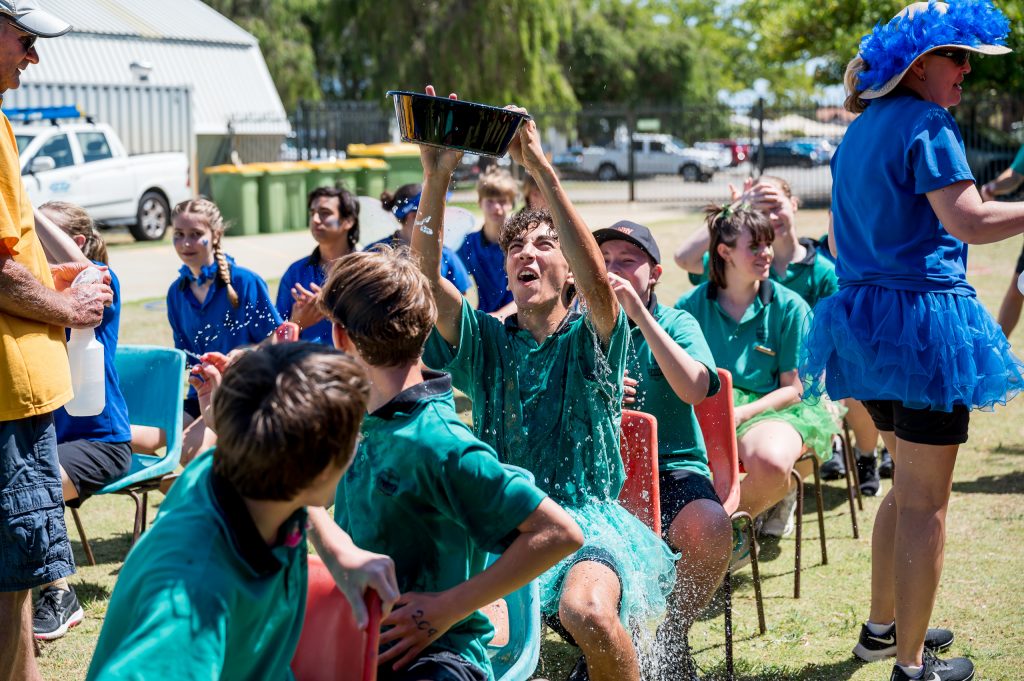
(384,149)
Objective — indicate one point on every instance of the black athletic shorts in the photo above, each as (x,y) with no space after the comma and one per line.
(191,407)
(441,665)
(678,488)
(92,465)
(1020,261)
(922,426)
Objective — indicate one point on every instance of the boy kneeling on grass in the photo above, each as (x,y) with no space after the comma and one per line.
(423,489)
(216,589)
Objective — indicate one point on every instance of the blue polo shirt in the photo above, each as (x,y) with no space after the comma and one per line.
(886,231)
(486,262)
(214,325)
(111,424)
(305,271)
(452,267)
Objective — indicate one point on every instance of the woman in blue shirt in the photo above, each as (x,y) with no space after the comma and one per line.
(906,334)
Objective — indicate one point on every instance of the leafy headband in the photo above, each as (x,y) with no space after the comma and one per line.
(892,47)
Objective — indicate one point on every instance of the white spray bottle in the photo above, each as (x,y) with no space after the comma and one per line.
(85,354)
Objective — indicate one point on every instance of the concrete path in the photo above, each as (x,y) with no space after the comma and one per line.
(145,272)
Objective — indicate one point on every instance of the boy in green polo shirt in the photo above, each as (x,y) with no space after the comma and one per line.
(547,387)
(423,489)
(216,588)
(672,370)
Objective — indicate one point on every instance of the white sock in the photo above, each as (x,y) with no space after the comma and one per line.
(878,629)
(911,671)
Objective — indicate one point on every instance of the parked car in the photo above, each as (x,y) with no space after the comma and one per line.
(569,162)
(740,151)
(791,153)
(653,154)
(86,164)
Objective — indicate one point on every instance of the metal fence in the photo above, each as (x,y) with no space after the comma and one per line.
(682,154)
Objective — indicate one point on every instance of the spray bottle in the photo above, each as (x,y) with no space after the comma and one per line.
(85,354)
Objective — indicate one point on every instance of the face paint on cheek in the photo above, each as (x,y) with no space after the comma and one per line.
(204,243)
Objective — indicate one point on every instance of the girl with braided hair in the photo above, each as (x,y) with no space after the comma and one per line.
(213,305)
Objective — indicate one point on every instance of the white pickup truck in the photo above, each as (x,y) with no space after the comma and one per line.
(86,164)
(653,154)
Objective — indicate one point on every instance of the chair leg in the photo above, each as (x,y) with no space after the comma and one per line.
(727,587)
(799,532)
(81,534)
(816,463)
(138,515)
(756,573)
(851,469)
(851,489)
(145,509)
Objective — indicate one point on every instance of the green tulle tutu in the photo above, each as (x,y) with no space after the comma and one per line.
(816,422)
(643,562)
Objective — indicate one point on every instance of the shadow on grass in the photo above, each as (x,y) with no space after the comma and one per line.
(90,592)
(106,550)
(1010,483)
(1008,449)
(745,671)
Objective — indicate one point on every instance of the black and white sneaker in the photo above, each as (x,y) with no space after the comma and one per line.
(874,647)
(868,474)
(953,669)
(579,672)
(885,465)
(55,612)
(835,468)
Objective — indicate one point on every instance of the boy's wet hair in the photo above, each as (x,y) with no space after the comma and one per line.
(384,303)
(496,183)
(284,414)
(726,224)
(348,207)
(521,224)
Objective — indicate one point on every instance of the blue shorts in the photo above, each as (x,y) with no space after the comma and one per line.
(34,546)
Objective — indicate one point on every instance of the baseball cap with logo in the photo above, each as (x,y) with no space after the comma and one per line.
(634,233)
(31,18)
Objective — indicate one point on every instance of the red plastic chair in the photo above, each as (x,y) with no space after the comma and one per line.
(641,493)
(718,425)
(331,647)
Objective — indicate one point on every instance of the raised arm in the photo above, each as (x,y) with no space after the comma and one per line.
(690,254)
(964,215)
(577,243)
(428,235)
(58,246)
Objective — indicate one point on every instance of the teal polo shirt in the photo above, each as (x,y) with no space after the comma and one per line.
(680,442)
(812,278)
(201,595)
(553,407)
(423,490)
(765,343)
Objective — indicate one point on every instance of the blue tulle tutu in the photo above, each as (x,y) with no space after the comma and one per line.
(926,350)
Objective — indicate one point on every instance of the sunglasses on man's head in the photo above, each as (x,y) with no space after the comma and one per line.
(958,56)
(28,41)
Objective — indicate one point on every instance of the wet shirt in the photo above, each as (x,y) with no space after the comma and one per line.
(111,424)
(425,491)
(304,271)
(812,278)
(765,343)
(201,595)
(486,262)
(680,442)
(452,268)
(887,234)
(34,374)
(215,325)
(553,408)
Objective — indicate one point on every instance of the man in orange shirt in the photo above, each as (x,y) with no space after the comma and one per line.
(37,302)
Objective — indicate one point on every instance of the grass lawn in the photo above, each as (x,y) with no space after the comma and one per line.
(810,638)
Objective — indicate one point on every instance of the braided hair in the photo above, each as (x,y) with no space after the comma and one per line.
(207,211)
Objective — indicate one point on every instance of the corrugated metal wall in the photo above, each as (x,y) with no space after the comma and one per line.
(148,118)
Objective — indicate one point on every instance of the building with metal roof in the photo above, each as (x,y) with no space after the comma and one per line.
(182,43)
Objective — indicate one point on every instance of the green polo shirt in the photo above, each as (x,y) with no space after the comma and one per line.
(811,278)
(764,344)
(680,442)
(553,408)
(423,490)
(202,596)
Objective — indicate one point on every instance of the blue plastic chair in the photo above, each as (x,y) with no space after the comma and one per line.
(517,659)
(153,382)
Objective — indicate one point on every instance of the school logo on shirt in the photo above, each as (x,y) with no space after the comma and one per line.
(387,482)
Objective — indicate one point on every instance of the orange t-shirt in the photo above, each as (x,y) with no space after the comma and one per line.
(34,374)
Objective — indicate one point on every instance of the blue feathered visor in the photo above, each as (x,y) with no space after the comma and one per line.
(890,49)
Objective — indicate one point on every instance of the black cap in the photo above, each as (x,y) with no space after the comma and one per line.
(634,233)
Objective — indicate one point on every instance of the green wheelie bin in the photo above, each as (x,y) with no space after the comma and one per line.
(236,191)
(282,196)
(403,160)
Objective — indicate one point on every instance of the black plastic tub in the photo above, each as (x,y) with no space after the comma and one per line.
(455,124)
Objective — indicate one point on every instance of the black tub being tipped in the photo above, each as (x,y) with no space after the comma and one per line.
(456,124)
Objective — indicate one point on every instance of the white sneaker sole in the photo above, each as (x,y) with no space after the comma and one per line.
(874,655)
(73,621)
